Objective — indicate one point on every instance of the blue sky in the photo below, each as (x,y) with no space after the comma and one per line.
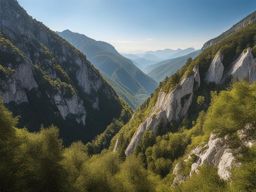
(140,25)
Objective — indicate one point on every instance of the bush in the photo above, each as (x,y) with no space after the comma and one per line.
(232,110)
(207,180)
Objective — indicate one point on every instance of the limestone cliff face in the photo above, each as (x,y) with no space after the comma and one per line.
(216,69)
(217,152)
(73,105)
(15,88)
(244,68)
(172,106)
(50,81)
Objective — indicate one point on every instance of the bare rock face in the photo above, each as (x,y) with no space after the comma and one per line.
(45,81)
(216,152)
(21,81)
(73,106)
(172,106)
(216,69)
(244,68)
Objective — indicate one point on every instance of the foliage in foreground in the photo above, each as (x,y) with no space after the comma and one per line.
(38,161)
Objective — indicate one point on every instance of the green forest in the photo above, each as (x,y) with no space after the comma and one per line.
(40,162)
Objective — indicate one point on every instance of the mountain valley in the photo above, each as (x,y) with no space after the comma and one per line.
(76,115)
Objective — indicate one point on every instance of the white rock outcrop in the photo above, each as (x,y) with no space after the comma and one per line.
(244,68)
(84,79)
(72,105)
(216,69)
(217,153)
(172,106)
(18,84)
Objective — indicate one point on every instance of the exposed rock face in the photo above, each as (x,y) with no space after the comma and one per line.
(250,19)
(216,69)
(244,68)
(18,84)
(119,71)
(216,152)
(169,107)
(71,106)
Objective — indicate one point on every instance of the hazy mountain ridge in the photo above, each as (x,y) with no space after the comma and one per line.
(160,71)
(116,67)
(146,59)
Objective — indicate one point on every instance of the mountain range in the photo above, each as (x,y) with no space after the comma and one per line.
(166,68)
(126,79)
(63,128)
(144,60)
(198,129)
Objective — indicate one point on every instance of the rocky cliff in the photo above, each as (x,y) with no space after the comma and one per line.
(174,105)
(244,68)
(46,81)
(216,69)
(218,152)
(127,80)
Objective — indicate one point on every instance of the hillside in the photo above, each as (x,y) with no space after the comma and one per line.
(195,133)
(190,160)
(45,81)
(191,126)
(160,71)
(123,75)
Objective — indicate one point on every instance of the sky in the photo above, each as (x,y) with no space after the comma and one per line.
(141,25)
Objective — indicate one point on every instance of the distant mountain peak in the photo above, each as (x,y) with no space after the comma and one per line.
(127,80)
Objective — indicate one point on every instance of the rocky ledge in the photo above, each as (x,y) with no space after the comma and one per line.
(172,106)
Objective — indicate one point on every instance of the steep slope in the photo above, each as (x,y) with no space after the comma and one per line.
(45,81)
(250,19)
(168,67)
(124,75)
(179,99)
(191,132)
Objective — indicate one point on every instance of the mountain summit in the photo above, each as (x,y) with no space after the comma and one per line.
(127,80)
